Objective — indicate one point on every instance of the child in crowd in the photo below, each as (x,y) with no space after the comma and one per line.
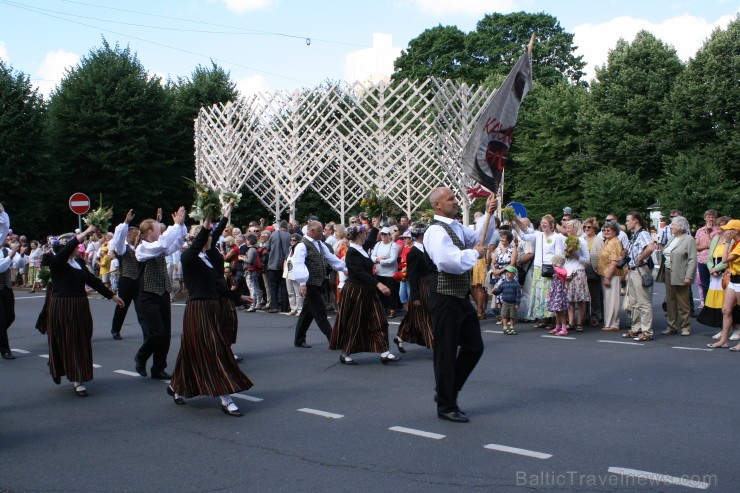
(115,266)
(104,263)
(253,265)
(557,302)
(510,291)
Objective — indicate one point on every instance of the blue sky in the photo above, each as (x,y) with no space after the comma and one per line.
(263,43)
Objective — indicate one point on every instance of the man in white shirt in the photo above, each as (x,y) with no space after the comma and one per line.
(7,298)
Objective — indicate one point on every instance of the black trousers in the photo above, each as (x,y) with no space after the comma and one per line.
(7,317)
(278,290)
(128,291)
(455,324)
(155,316)
(313,309)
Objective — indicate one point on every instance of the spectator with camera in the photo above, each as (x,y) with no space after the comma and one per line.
(637,261)
(677,272)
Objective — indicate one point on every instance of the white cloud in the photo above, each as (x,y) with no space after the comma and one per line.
(686,33)
(465,7)
(3,51)
(242,6)
(252,85)
(51,71)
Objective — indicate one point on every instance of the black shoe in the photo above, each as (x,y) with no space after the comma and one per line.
(399,344)
(140,369)
(81,391)
(57,380)
(391,358)
(117,336)
(236,413)
(161,375)
(303,345)
(238,359)
(454,416)
(8,356)
(345,361)
(178,400)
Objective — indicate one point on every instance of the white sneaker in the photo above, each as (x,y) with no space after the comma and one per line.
(717,336)
(291,313)
(735,335)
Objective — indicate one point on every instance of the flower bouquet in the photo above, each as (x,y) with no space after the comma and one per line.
(373,203)
(400,275)
(572,245)
(227,197)
(100,219)
(43,276)
(207,203)
(509,214)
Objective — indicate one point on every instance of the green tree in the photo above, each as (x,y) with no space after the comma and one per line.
(611,190)
(111,134)
(437,52)
(24,172)
(622,124)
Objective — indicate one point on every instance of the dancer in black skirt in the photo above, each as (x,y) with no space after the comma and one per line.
(416,326)
(361,325)
(69,325)
(205,364)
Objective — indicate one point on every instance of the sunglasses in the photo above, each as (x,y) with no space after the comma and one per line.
(588,227)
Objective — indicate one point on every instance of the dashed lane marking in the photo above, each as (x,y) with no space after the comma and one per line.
(419,433)
(622,342)
(321,413)
(128,373)
(20,351)
(693,348)
(44,356)
(247,397)
(653,477)
(29,297)
(560,337)
(96,366)
(494,331)
(518,451)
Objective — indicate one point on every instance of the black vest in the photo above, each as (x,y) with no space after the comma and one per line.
(457,285)
(314,263)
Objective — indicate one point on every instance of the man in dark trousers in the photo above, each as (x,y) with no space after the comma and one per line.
(454,251)
(278,248)
(124,239)
(7,298)
(310,257)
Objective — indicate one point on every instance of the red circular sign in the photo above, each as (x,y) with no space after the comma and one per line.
(79,203)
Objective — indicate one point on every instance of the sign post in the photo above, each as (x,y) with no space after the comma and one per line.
(79,203)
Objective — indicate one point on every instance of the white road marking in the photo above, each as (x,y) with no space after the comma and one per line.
(179,304)
(622,342)
(494,331)
(320,413)
(394,323)
(20,351)
(247,397)
(128,373)
(652,477)
(44,356)
(418,433)
(692,348)
(518,451)
(560,337)
(29,297)
(96,366)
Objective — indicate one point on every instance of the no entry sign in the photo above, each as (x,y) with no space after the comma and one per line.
(79,203)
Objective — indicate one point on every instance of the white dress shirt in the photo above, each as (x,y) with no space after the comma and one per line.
(170,241)
(300,271)
(445,255)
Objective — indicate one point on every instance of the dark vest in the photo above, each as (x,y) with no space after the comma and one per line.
(314,263)
(129,264)
(457,285)
(154,278)
(5,281)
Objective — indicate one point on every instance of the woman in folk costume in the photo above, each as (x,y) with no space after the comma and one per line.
(416,326)
(205,364)
(361,325)
(69,325)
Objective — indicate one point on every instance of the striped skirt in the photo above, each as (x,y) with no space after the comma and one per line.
(205,364)
(229,320)
(361,325)
(416,326)
(69,329)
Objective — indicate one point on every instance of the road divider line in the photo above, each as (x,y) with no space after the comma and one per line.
(320,413)
(494,331)
(96,366)
(560,337)
(30,297)
(652,477)
(128,373)
(247,397)
(44,356)
(419,433)
(518,451)
(20,351)
(692,348)
(622,342)
(394,323)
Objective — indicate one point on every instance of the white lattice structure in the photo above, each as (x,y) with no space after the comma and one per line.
(404,139)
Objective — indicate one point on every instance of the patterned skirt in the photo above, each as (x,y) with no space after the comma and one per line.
(69,328)
(416,326)
(578,287)
(558,299)
(711,313)
(361,325)
(205,364)
(229,320)
(540,292)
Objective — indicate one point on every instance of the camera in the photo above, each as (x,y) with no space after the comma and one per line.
(624,262)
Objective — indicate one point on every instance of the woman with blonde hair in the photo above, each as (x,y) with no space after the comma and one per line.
(576,259)
(595,244)
(730,306)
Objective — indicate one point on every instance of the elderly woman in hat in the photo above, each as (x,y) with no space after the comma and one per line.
(385,257)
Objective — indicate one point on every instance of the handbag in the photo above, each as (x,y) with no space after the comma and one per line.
(660,276)
(547,269)
(647,277)
(726,279)
(591,273)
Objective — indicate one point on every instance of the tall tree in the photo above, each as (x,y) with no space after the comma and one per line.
(111,133)
(622,124)
(22,146)
(437,52)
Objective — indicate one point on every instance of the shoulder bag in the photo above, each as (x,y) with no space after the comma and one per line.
(547,269)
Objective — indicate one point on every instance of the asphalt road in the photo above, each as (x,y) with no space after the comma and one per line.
(586,413)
